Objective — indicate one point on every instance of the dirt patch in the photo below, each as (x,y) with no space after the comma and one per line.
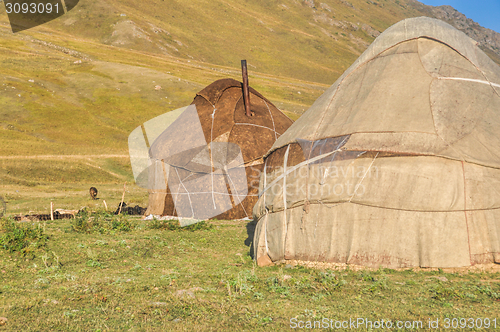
(126,31)
(43,217)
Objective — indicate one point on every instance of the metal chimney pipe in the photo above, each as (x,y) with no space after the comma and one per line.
(246,92)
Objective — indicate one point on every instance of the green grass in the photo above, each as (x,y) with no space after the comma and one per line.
(30,185)
(152,279)
(21,238)
(101,222)
(73,196)
(173,225)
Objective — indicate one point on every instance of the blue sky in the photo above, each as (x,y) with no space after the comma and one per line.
(484,12)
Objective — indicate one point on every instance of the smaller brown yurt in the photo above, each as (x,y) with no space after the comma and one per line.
(207,162)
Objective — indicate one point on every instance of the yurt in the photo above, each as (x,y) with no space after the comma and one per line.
(396,165)
(204,161)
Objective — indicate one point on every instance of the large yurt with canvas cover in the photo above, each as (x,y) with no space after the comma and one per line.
(204,161)
(396,165)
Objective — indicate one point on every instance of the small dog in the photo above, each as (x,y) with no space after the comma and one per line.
(93,192)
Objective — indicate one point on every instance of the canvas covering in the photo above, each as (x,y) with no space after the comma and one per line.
(397,164)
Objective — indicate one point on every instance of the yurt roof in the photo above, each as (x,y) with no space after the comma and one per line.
(421,88)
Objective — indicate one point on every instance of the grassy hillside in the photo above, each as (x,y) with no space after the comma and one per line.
(309,40)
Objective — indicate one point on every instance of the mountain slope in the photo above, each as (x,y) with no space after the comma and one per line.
(306,40)
(488,40)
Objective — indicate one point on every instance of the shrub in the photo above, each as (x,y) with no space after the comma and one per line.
(21,237)
(100,222)
(173,225)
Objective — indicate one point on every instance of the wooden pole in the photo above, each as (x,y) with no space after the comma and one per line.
(51,211)
(123,197)
(246,92)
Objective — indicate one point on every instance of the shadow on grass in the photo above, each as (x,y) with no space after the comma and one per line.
(250,232)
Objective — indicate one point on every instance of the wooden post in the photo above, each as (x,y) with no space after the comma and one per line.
(246,92)
(123,197)
(51,211)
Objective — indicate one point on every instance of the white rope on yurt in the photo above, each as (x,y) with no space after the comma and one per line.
(189,196)
(272,119)
(291,169)
(267,212)
(237,194)
(211,157)
(359,183)
(333,158)
(285,226)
